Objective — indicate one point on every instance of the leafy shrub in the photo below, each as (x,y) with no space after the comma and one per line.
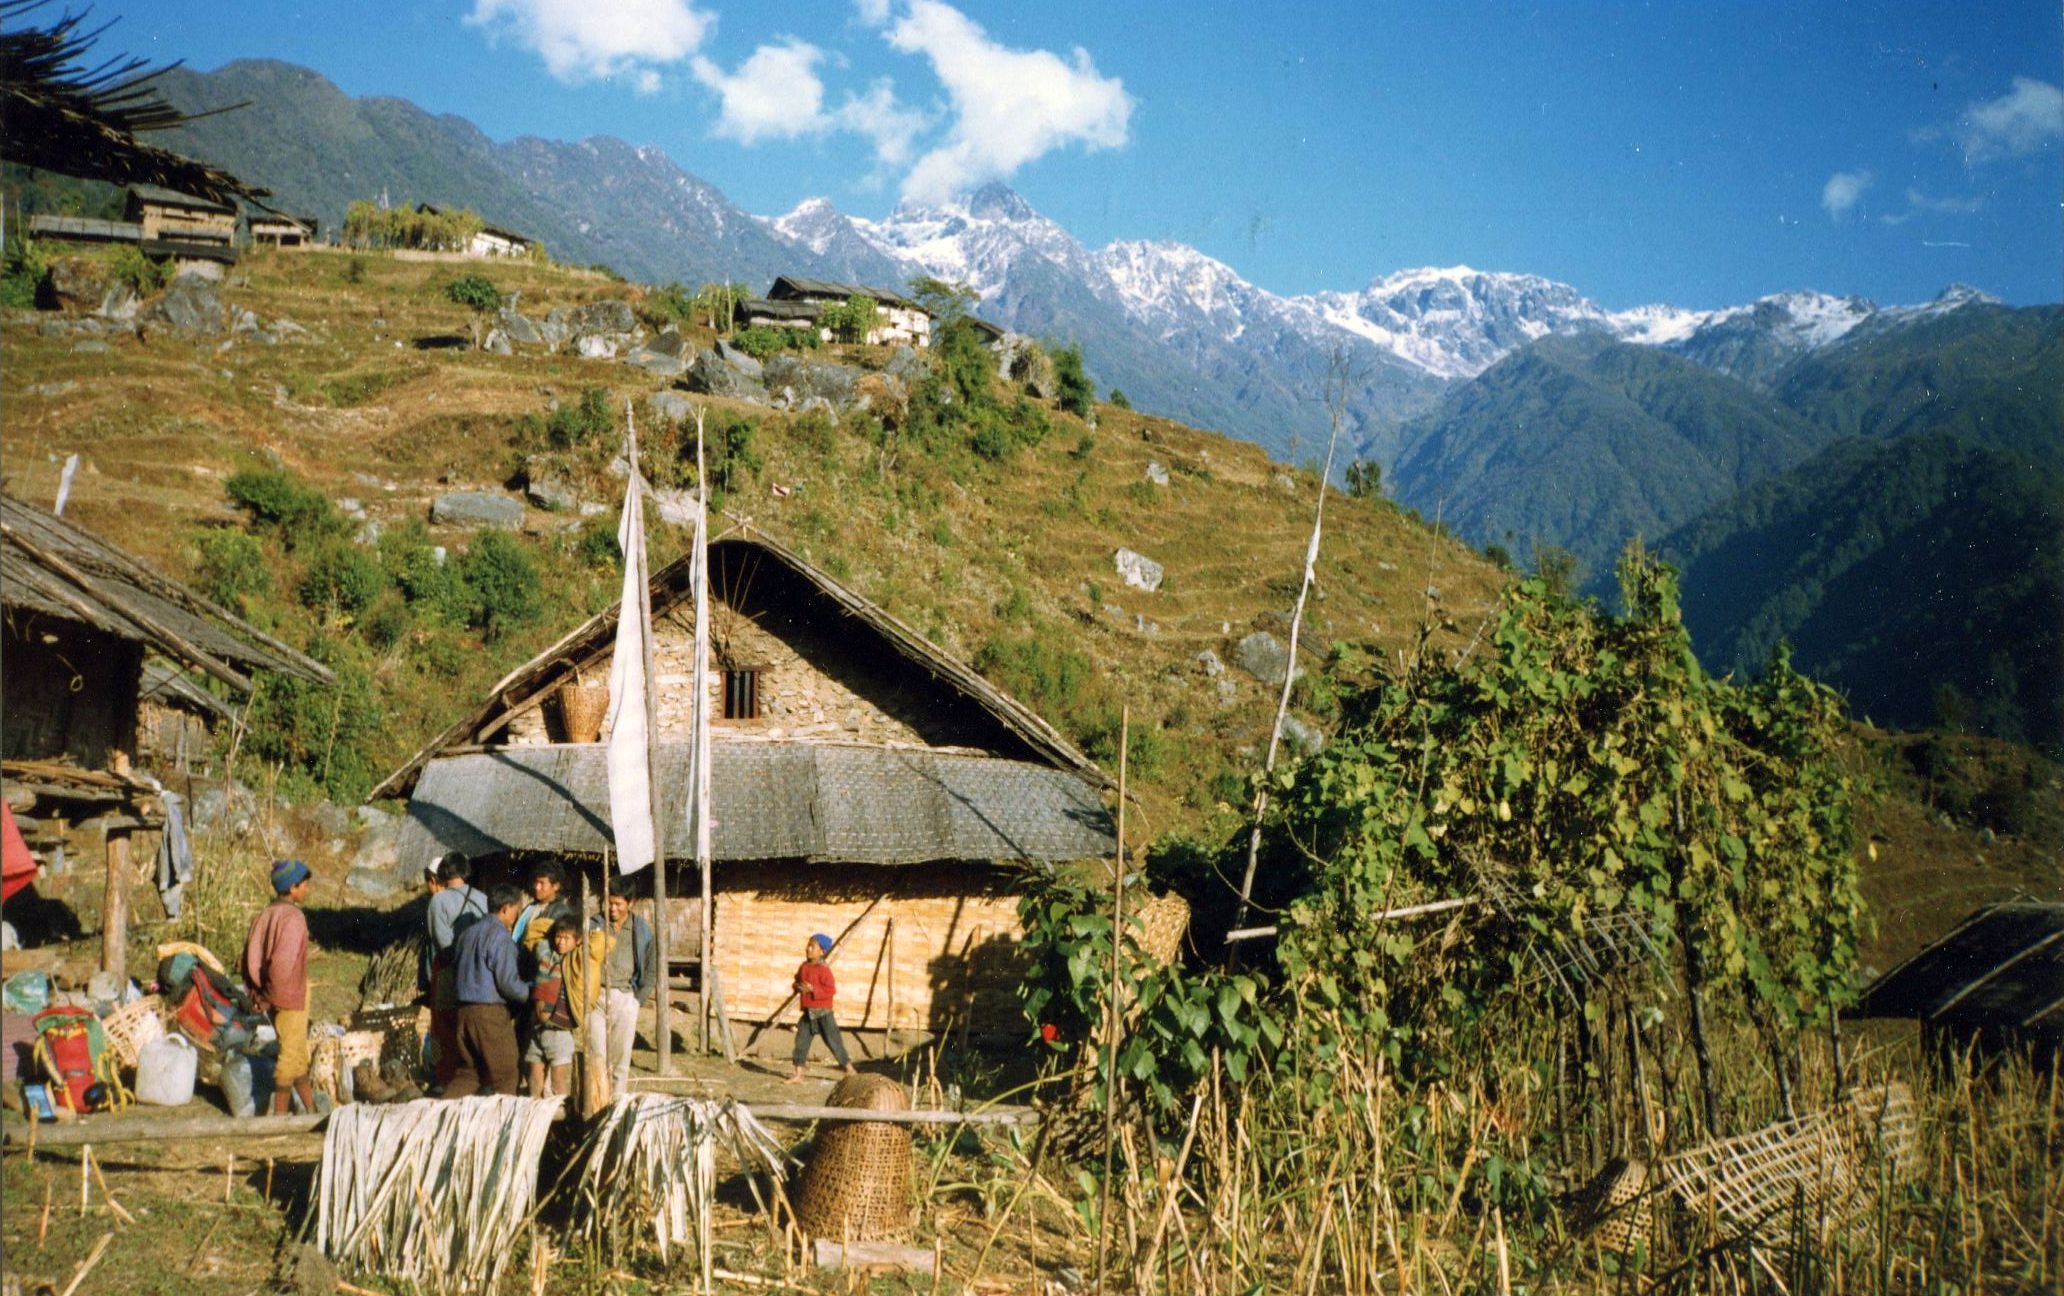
(729,452)
(355,270)
(412,566)
(340,578)
(761,342)
(233,568)
(597,547)
(21,273)
(280,501)
(143,275)
(1000,431)
(476,292)
(1365,479)
(581,423)
(1016,605)
(850,320)
(1037,669)
(1075,393)
(321,736)
(1118,400)
(502,584)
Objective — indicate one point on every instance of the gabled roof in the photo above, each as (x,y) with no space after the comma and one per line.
(792,286)
(163,197)
(51,566)
(767,308)
(2002,966)
(588,647)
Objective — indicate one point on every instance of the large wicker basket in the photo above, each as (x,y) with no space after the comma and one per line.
(856,1186)
(581,709)
(335,1056)
(133,1025)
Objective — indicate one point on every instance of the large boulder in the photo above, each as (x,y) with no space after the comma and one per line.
(1305,739)
(743,361)
(1139,571)
(594,346)
(793,380)
(79,284)
(717,376)
(906,364)
(520,329)
(549,491)
(1264,656)
(657,362)
(668,406)
(477,509)
(610,319)
(191,306)
(669,342)
(555,328)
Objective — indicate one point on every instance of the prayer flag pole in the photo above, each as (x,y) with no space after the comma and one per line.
(700,736)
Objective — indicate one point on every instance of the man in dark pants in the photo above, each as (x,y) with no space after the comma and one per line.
(489,993)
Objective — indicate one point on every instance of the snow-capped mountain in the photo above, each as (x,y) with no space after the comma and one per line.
(1457,322)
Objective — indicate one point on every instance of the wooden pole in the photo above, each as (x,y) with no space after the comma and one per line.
(701,737)
(1112,1018)
(114,910)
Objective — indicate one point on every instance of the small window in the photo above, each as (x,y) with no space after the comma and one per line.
(742,694)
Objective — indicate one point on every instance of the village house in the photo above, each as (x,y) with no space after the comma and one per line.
(166,216)
(795,302)
(278,230)
(865,784)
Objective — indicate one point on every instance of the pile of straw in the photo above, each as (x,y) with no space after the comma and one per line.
(653,1158)
(433,1191)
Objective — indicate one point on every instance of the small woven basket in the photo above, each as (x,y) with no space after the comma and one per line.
(857,1184)
(133,1025)
(1163,921)
(581,709)
(1617,1208)
(335,1056)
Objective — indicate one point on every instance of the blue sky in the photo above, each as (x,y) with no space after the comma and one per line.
(1696,154)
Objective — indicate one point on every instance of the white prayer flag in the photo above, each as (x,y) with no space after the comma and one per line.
(630,776)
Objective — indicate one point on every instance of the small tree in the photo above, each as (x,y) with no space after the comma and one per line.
(1075,391)
(943,300)
(1365,479)
(477,293)
(852,321)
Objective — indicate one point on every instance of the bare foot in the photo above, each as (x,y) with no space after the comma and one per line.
(851,1069)
(797,1078)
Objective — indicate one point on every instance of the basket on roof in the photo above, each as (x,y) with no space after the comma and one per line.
(857,1184)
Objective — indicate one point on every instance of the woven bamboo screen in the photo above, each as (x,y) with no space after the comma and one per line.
(951,959)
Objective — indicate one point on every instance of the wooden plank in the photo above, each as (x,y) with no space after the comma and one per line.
(154,1129)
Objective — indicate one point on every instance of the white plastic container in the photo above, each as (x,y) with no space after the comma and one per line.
(165,1072)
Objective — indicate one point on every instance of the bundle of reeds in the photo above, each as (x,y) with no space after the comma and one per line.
(432,1191)
(653,1157)
(390,978)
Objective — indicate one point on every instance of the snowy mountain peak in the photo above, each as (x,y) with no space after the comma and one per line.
(1455,321)
(814,223)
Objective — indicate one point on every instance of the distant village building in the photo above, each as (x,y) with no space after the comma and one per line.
(83,229)
(165,216)
(276,230)
(864,782)
(491,240)
(795,302)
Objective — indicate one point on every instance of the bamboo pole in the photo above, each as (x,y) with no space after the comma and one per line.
(1113,1022)
(701,739)
(1336,394)
(663,1016)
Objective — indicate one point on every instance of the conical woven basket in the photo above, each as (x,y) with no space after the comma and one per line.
(857,1184)
(581,709)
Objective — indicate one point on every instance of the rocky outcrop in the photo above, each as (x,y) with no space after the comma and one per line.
(1264,656)
(714,374)
(794,381)
(191,307)
(475,509)
(1139,571)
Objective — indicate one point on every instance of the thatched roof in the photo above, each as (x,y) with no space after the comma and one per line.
(59,115)
(850,803)
(51,566)
(587,649)
(160,196)
(2002,967)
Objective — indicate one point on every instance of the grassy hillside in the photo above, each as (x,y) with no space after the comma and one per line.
(1009,562)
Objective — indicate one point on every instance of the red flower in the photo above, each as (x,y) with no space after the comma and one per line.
(1049,1032)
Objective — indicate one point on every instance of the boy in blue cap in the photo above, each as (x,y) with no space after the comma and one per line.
(275,968)
(814,982)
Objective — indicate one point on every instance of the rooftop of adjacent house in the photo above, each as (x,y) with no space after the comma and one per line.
(2002,966)
(1022,731)
(767,308)
(52,566)
(160,196)
(795,286)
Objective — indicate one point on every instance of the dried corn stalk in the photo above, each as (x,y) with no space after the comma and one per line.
(652,1158)
(433,1191)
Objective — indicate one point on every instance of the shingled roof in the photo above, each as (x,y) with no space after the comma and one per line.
(795,286)
(813,801)
(2001,967)
(587,648)
(50,565)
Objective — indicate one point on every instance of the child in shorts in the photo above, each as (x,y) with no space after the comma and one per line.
(550,1051)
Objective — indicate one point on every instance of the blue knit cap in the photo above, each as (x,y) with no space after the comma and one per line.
(823,942)
(287,874)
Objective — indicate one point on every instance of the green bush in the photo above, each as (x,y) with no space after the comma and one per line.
(233,568)
(850,320)
(502,582)
(1118,400)
(411,563)
(21,273)
(388,621)
(965,360)
(581,423)
(475,291)
(320,736)
(355,270)
(143,275)
(761,342)
(1075,392)
(1365,479)
(278,500)
(597,547)
(340,578)
(1039,670)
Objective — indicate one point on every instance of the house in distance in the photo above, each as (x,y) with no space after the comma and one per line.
(795,302)
(865,784)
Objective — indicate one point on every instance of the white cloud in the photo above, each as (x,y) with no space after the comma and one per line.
(872,12)
(583,40)
(1842,191)
(2024,120)
(1010,106)
(1950,206)
(775,94)
(878,115)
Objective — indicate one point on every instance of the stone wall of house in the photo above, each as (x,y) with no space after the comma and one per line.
(810,686)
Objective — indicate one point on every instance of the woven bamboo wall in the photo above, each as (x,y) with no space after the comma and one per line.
(952,959)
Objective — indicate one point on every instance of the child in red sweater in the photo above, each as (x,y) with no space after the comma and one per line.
(814,983)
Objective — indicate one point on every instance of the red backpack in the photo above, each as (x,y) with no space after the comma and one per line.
(202,1010)
(73,1052)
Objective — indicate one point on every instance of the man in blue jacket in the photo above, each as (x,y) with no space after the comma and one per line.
(489,992)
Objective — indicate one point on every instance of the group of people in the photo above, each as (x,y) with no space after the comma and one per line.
(516,985)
